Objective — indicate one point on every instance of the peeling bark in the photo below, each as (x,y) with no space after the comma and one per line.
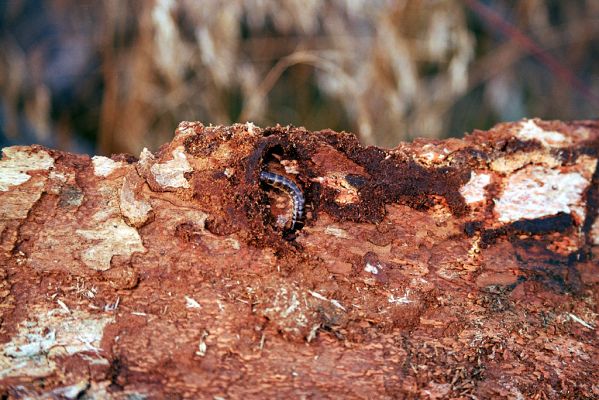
(438,269)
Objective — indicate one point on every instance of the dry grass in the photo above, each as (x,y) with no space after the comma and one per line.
(120,75)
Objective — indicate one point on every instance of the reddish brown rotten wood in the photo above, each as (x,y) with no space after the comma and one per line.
(437,269)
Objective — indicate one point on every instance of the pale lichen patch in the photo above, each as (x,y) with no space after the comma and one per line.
(17,161)
(474,190)
(113,237)
(50,335)
(171,174)
(104,166)
(536,192)
(529,130)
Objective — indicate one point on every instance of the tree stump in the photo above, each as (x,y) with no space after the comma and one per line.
(437,269)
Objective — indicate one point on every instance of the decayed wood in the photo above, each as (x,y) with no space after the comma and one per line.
(438,269)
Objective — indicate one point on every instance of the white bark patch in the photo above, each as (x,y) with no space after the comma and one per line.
(535,192)
(432,156)
(53,334)
(186,128)
(346,192)
(104,166)
(17,161)
(291,167)
(512,162)
(249,126)
(136,211)
(373,269)
(474,190)
(110,197)
(68,392)
(172,173)
(323,298)
(286,305)
(529,130)
(146,157)
(336,231)
(233,243)
(16,203)
(405,299)
(58,176)
(190,302)
(113,237)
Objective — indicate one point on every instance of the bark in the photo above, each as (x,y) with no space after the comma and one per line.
(438,269)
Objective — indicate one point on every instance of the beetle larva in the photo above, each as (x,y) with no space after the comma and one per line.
(289,187)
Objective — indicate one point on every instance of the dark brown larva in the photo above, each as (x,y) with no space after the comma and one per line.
(288,186)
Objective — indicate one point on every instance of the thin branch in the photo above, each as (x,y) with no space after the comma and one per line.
(495,22)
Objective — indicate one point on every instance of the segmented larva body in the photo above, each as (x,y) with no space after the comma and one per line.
(289,187)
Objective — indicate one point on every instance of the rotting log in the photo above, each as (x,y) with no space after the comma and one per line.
(438,269)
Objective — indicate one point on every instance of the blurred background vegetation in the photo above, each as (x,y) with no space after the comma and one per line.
(115,76)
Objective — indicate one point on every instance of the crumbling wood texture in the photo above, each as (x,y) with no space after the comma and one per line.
(438,269)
